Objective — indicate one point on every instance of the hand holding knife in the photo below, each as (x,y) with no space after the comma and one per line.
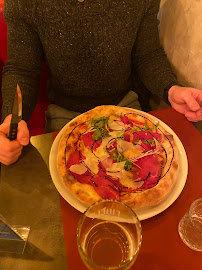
(16,114)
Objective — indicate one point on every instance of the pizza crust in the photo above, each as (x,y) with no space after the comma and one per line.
(86,193)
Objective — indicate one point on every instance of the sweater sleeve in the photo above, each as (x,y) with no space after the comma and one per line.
(149,58)
(24,59)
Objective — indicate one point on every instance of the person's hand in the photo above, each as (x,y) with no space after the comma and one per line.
(11,150)
(187,101)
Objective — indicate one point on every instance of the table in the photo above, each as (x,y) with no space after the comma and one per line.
(28,198)
(161,248)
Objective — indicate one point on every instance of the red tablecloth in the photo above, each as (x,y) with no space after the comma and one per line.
(162,248)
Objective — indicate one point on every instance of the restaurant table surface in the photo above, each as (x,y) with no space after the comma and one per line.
(162,247)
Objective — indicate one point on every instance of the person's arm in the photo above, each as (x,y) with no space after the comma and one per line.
(149,58)
(24,58)
(23,68)
(154,69)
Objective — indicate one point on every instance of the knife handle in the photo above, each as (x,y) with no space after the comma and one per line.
(12,135)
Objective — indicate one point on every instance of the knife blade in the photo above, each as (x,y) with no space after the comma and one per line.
(16,114)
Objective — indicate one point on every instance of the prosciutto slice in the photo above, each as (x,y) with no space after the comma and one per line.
(90,142)
(145,135)
(151,172)
(88,139)
(106,188)
(74,159)
(84,178)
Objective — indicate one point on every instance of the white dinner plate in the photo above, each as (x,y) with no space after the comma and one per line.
(142,213)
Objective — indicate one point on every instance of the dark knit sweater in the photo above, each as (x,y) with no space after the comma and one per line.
(92,49)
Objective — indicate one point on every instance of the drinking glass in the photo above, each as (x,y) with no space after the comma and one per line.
(190,226)
(109,236)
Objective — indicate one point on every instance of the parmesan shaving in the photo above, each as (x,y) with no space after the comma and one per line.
(91,160)
(78,168)
(132,153)
(116,169)
(116,124)
(127,180)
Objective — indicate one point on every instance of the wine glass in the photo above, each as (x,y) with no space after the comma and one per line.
(109,236)
(190,226)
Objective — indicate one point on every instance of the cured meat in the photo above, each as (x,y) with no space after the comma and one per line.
(84,178)
(147,168)
(106,188)
(88,139)
(145,135)
(74,159)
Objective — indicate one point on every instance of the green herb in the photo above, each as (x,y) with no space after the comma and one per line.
(100,125)
(106,126)
(117,156)
(99,122)
(137,173)
(149,141)
(155,126)
(136,142)
(128,165)
(121,137)
(99,133)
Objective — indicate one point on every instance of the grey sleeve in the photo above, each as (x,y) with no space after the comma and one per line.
(149,58)
(23,66)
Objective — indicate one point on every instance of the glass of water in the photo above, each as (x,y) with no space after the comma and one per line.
(190,226)
(109,236)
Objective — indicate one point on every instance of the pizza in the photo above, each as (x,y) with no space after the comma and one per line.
(117,153)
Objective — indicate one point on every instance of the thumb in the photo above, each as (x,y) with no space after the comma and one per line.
(23,133)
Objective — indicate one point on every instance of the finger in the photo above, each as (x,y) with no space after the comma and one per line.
(23,133)
(7,145)
(194,117)
(199,99)
(191,102)
(180,108)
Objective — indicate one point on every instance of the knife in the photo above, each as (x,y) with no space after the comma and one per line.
(16,115)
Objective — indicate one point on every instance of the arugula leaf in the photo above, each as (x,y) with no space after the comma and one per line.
(136,142)
(147,127)
(149,141)
(128,165)
(100,126)
(155,126)
(99,133)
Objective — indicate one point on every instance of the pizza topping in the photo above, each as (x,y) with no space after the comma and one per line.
(91,161)
(107,163)
(106,188)
(128,149)
(100,126)
(101,150)
(84,178)
(78,168)
(88,139)
(127,180)
(144,135)
(117,154)
(151,171)
(116,125)
(116,169)
(74,159)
